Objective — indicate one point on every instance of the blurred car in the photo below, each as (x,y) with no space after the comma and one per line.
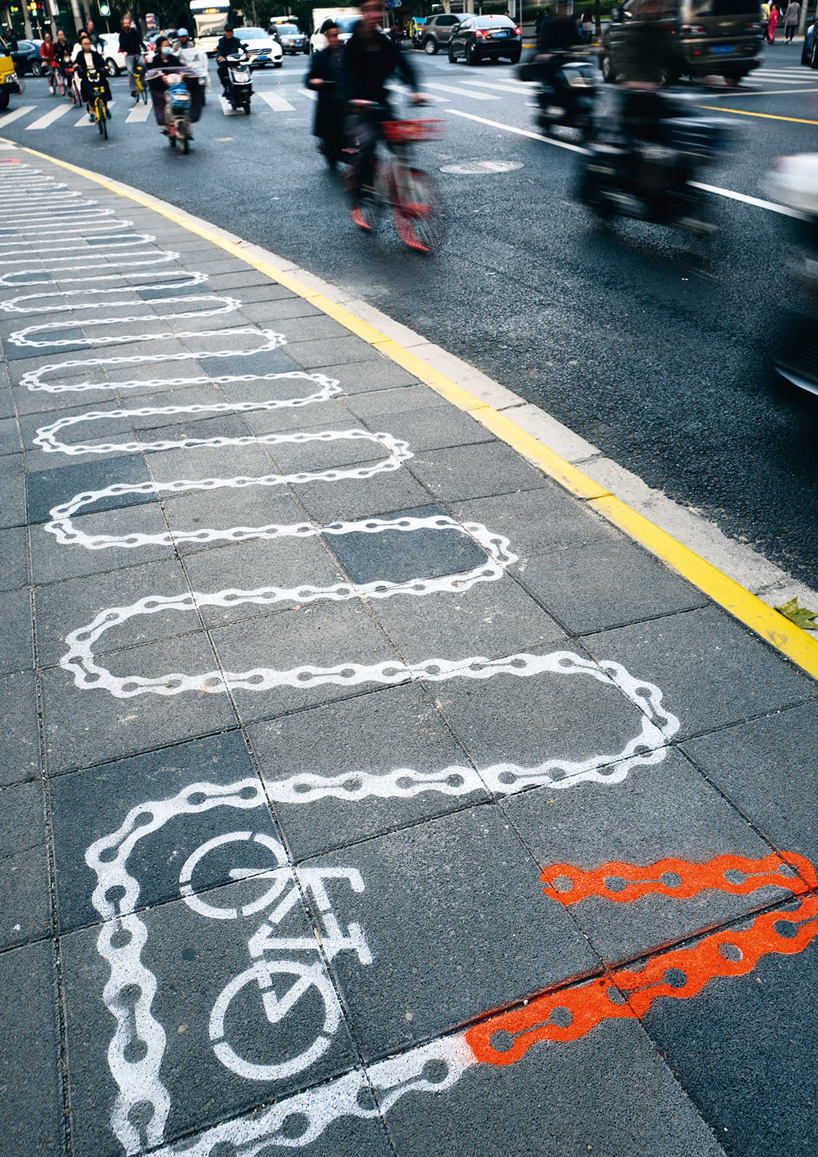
(291,39)
(809,49)
(711,38)
(346,25)
(437,32)
(114,59)
(262,47)
(485,37)
(27,58)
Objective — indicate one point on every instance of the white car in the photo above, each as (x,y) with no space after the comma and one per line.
(114,59)
(262,48)
(346,26)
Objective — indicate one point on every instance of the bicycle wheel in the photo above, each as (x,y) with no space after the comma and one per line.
(60,84)
(420,223)
(143,92)
(372,200)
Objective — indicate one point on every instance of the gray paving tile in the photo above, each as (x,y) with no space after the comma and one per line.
(11,465)
(319,635)
(323,453)
(205,462)
(539,521)
(350,499)
(331,415)
(12,500)
(608,1092)
(225,509)
(380,374)
(19,738)
(16,638)
(61,608)
(52,561)
(386,402)
(430,427)
(9,436)
(744,1048)
(50,488)
(607,583)
(72,336)
(464,472)
(25,896)
(31,1111)
(265,310)
(251,290)
(345,756)
(84,726)
(314,328)
(89,806)
(194,958)
(711,669)
(448,910)
(769,769)
(664,812)
(14,552)
(336,351)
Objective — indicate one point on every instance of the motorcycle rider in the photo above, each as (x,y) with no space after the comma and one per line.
(369,59)
(195,58)
(227,46)
(648,62)
(324,77)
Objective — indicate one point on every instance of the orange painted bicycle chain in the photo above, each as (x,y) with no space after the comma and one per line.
(623,883)
(681,973)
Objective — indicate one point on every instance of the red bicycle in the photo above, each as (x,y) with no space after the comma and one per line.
(397,184)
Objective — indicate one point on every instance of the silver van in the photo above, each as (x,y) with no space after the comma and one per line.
(712,38)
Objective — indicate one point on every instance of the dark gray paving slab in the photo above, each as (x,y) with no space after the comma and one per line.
(50,488)
(25,898)
(430,428)
(606,584)
(448,911)
(331,772)
(321,635)
(31,1111)
(275,361)
(769,769)
(194,957)
(91,806)
(87,725)
(744,1049)
(358,498)
(16,636)
(9,436)
(14,552)
(464,472)
(52,561)
(72,340)
(607,1093)
(19,738)
(492,619)
(710,666)
(664,812)
(336,351)
(12,500)
(198,511)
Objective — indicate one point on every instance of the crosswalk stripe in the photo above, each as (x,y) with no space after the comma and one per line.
(8,117)
(53,115)
(85,120)
(228,109)
(524,90)
(139,112)
(277,103)
(309,94)
(430,96)
(463,92)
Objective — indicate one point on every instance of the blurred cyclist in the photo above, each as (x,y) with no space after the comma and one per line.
(369,59)
(559,33)
(648,62)
(131,47)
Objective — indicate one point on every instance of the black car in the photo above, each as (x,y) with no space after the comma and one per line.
(27,58)
(486,38)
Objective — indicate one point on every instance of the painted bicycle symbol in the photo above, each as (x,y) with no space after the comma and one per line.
(282,980)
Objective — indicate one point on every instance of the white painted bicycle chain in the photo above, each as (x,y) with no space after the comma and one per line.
(181,280)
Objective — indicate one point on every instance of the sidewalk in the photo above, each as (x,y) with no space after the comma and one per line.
(363,791)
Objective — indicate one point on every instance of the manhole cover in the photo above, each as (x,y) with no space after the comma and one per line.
(469,168)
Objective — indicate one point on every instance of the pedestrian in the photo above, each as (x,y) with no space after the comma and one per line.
(96,43)
(47,55)
(773,22)
(765,19)
(791,17)
(325,78)
(131,47)
(587,26)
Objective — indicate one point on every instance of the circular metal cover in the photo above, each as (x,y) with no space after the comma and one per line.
(472,168)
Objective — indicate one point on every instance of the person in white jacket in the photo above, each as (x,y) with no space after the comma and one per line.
(791,19)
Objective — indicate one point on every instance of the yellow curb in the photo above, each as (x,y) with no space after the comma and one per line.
(779,632)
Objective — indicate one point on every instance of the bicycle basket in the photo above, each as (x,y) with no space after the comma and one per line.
(401,132)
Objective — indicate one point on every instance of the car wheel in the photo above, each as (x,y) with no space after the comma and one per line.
(430,46)
(36,68)
(471,57)
(278,64)
(111,68)
(608,70)
(814,61)
(4,100)
(515,58)
(452,58)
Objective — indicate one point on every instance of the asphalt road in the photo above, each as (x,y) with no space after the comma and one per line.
(652,349)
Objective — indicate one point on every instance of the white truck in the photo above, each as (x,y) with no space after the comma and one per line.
(345,18)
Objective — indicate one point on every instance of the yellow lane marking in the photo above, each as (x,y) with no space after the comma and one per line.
(790,640)
(743,113)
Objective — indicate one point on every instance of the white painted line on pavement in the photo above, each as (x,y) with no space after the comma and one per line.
(228,109)
(139,112)
(463,92)
(309,94)
(524,90)
(8,117)
(757,201)
(520,132)
(86,120)
(277,103)
(54,115)
(759,92)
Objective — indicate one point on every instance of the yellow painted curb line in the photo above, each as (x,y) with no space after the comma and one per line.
(766,115)
(790,640)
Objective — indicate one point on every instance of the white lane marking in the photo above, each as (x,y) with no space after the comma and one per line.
(87,120)
(139,112)
(277,103)
(8,117)
(462,92)
(733,95)
(520,132)
(44,121)
(309,94)
(523,90)
(728,193)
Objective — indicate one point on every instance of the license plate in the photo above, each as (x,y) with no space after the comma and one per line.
(499,34)
(721,48)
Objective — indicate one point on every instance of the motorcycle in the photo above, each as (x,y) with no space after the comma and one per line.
(646,167)
(794,183)
(176,93)
(239,81)
(566,95)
